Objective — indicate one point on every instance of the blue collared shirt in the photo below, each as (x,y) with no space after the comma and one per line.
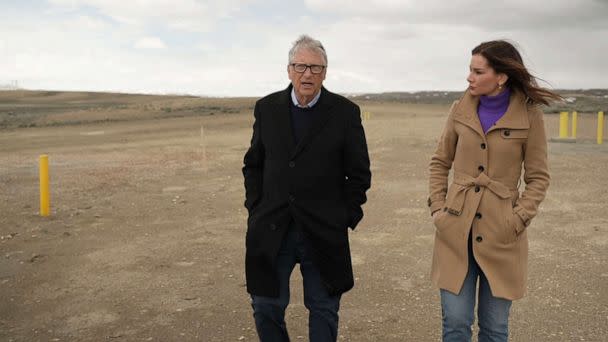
(309,105)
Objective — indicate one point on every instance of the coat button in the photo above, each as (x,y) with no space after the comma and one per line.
(273,226)
(292,198)
(507,133)
(479,238)
(480,168)
(477,188)
(292,164)
(478,215)
(483,146)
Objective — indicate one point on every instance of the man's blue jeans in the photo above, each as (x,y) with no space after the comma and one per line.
(458,310)
(269,313)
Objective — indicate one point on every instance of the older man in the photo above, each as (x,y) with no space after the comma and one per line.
(306,174)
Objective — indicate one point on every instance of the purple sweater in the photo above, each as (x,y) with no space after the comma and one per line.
(492,108)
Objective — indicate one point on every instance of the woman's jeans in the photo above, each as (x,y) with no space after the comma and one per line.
(458,310)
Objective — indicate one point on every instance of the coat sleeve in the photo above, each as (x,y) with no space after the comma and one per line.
(441,163)
(356,167)
(536,170)
(254,164)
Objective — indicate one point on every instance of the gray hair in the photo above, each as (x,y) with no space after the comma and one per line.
(308,43)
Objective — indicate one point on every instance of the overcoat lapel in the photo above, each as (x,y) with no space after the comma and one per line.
(283,119)
(325,114)
(466,113)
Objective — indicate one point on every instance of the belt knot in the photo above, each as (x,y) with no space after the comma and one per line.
(465,182)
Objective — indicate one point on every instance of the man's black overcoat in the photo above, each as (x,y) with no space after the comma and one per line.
(320,183)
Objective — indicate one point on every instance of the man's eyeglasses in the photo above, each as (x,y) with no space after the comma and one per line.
(301,68)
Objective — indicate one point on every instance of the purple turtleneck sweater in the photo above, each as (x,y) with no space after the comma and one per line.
(492,108)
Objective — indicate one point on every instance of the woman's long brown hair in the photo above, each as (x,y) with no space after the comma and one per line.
(504,58)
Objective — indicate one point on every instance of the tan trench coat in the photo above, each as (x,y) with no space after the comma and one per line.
(483,198)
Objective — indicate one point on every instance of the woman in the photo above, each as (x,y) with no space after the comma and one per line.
(481,218)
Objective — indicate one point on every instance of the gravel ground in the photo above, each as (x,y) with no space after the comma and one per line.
(146,237)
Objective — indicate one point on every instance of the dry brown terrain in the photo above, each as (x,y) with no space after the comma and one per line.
(146,237)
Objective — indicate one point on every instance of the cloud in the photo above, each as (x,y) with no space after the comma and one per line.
(408,45)
(498,15)
(89,23)
(149,43)
(188,15)
(235,47)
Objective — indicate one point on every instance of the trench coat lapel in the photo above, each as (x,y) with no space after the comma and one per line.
(317,125)
(516,116)
(466,112)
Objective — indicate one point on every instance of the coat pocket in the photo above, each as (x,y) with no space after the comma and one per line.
(437,216)
(516,224)
(443,220)
(514,133)
(509,229)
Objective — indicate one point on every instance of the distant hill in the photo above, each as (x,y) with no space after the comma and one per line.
(26,108)
(584,100)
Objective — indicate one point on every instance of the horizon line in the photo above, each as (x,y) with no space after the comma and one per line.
(3,88)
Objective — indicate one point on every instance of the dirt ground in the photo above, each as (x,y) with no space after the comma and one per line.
(146,237)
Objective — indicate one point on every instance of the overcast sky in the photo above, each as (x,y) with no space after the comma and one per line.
(239,47)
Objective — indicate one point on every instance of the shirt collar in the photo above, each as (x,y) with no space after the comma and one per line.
(294,99)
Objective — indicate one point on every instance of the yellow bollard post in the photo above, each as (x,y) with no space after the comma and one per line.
(600,127)
(574,124)
(563,125)
(45,204)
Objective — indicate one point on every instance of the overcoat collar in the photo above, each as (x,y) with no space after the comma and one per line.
(324,105)
(516,116)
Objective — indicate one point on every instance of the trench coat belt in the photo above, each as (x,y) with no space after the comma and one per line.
(465,182)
